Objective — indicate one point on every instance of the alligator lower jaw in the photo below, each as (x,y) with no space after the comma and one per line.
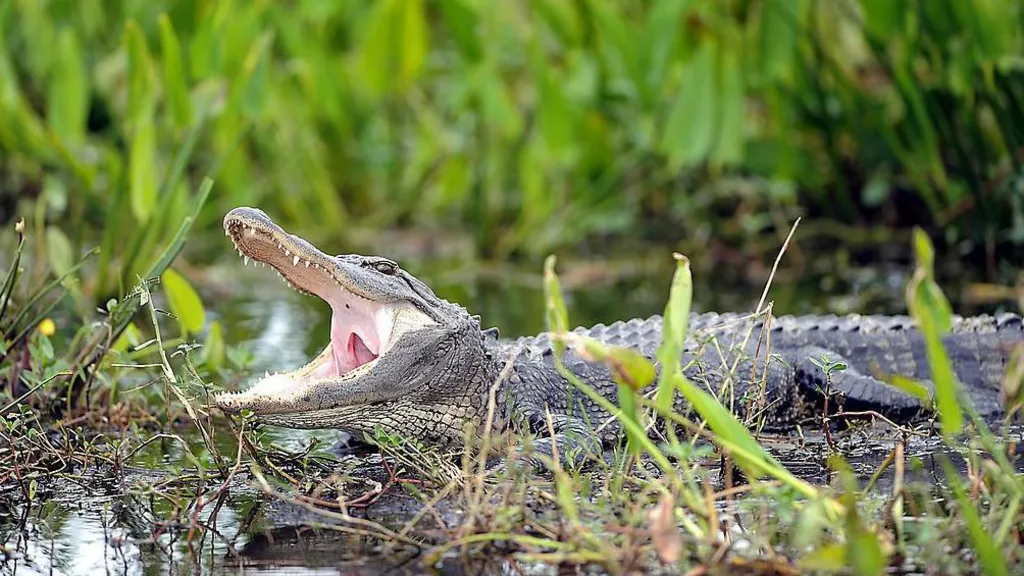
(287,392)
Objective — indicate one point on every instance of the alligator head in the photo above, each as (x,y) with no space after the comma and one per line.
(393,347)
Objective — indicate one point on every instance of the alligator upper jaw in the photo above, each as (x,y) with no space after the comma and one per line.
(362,329)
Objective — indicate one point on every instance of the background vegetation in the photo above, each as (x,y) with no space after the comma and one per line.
(526,126)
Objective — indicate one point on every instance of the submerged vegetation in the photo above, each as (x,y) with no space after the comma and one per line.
(497,131)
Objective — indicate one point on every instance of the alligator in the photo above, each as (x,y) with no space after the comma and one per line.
(404,361)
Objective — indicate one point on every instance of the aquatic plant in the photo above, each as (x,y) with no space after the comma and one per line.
(530,125)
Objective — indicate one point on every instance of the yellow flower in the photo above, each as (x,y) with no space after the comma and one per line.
(47,327)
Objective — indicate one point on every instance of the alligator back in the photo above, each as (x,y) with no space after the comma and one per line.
(872,347)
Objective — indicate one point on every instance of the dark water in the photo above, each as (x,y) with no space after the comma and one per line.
(103,527)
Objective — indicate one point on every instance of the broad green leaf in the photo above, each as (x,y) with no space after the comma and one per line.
(213,347)
(780,27)
(184,301)
(910,386)
(731,109)
(55,192)
(413,35)
(499,111)
(690,130)
(142,167)
(993,33)
(884,18)
(537,197)
(462,21)
(375,61)
(247,87)
(45,347)
(394,45)
(130,337)
(59,251)
(67,100)
(175,81)
(919,124)
(620,43)
(663,26)
(628,367)
(562,18)
(830,558)
(554,115)
(675,324)
(140,71)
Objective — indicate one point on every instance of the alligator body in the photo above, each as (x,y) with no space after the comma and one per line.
(405,361)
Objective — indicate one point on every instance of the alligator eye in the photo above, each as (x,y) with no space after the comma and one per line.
(385,267)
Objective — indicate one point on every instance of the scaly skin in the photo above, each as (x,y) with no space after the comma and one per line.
(789,392)
(436,377)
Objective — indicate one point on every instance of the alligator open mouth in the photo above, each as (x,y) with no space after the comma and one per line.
(362,329)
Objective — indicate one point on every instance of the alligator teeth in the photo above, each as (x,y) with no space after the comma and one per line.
(245,261)
(307,263)
(295,261)
(287,253)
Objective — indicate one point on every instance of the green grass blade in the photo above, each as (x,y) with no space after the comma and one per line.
(146,237)
(676,323)
(38,295)
(929,307)
(174,75)
(556,315)
(689,131)
(989,556)
(730,430)
(557,319)
(68,97)
(12,274)
(126,309)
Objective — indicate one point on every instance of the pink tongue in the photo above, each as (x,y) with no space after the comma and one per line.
(359,351)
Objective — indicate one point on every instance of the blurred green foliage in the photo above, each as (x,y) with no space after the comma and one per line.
(530,124)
